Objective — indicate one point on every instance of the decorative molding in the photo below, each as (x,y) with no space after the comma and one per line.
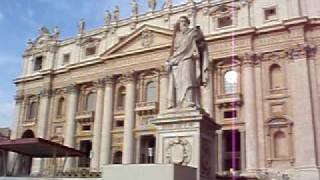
(273,56)
(146,38)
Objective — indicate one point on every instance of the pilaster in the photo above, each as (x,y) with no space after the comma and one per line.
(249,112)
(302,112)
(163,105)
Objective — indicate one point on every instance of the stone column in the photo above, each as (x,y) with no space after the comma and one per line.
(43,114)
(163,98)
(220,151)
(302,112)
(20,103)
(207,95)
(249,112)
(42,126)
(105,153)
(96,140)
(70,126)
(315,95)
(138,150)
(243,149)
(128,139)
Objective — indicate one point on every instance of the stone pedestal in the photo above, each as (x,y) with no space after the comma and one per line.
(148,171)
(186,137)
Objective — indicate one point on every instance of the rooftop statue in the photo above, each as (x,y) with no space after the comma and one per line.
(43,31)
(116,14)
(82,25)
(56,32)
(134,8)
(152,5)
(167,4)
(107,17)
(187,65)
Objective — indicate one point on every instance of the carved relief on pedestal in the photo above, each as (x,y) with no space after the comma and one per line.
(179,151)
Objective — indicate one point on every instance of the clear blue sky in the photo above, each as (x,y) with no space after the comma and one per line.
(20,21)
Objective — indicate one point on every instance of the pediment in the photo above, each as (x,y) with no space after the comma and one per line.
(144,38)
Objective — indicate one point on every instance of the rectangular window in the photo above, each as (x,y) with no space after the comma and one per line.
(119,123)
(224,21)
(38,63)
(270,14)
(86,128)
(58,130)
(90,51)
(66,59)
(230,114)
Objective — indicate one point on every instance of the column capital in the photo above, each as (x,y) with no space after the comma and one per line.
(19,98)
(219,132)
(109,79)
(248,58)
(163,71)
(45,92)
(297,51)
(301,51)
(99,83)
(72,88)
(129,77)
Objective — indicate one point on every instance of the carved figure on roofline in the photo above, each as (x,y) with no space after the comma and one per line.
(82,25)
(187,65)
(107,17)
(116,14)
(152,5)
(134,8)
(167,4)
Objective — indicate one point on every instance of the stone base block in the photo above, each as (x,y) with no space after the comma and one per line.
(148,171)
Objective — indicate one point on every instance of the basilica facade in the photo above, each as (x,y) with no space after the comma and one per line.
(99,90)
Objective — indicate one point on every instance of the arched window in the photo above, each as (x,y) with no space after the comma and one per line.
(121,97)
(91,102)
(280,145)
(60,107)
(230,82)
(117,157)
(151,92)
(276,77)
(28,134)
(32,110)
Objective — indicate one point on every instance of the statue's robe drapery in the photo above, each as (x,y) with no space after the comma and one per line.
(188,68)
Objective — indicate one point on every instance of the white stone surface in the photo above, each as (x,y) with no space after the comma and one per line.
(45,178)
(148,171)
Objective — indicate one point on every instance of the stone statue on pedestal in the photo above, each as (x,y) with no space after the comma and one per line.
(107,18)
(152,5)
(167,4)
(116,14)
(81,26)
(187,65)
(134,8)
